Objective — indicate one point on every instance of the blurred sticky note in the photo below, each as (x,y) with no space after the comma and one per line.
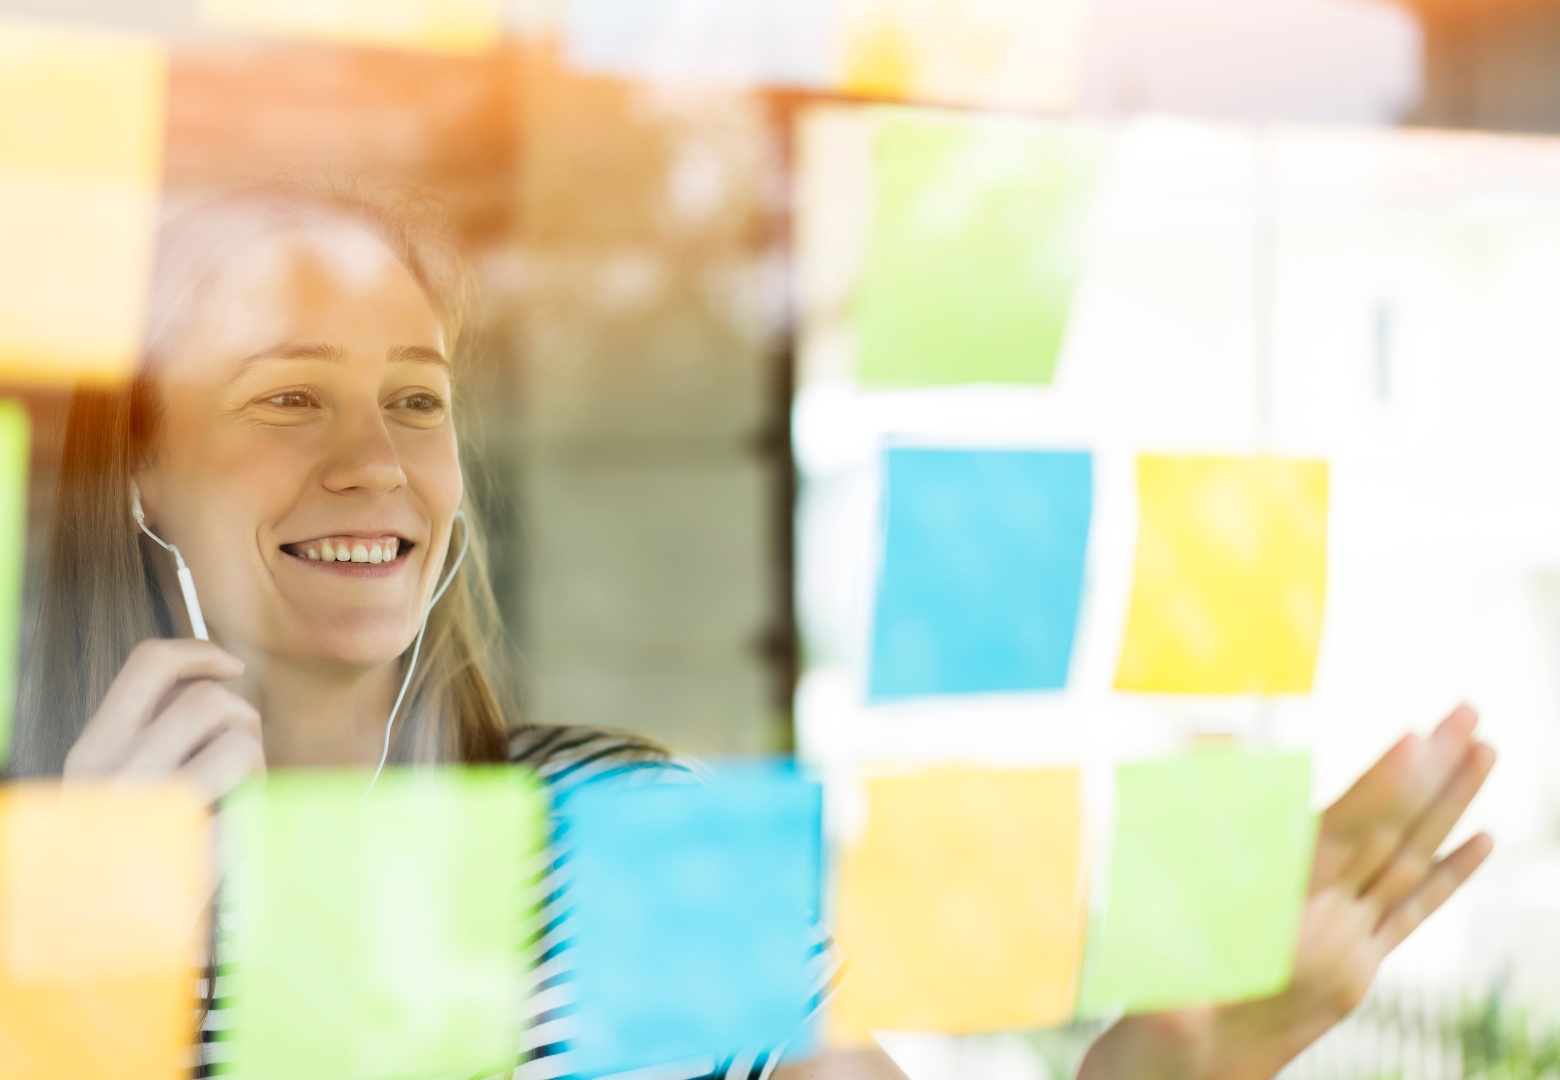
(81,138)
(694,911)
(102,892)
(734,41)
(976,247)
(982,570)
(439,26)
(961,903)
(1208,875)
(1231,576)
(1008,54)
(14,442)
(383,936)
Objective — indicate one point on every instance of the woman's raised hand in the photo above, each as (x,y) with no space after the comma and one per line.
(1375,879)
(168,714)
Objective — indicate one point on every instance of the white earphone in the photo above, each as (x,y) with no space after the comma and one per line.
(186,579)
(198,621)
(465,544)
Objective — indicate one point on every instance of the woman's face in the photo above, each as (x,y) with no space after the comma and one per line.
(306,413)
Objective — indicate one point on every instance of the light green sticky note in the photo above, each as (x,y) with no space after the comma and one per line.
(1208,876)
(13,554)
(976,244)
(383,937)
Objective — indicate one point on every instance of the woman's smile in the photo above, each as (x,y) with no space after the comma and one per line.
(353,555)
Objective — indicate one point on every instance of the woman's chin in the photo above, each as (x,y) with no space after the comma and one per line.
(358,647)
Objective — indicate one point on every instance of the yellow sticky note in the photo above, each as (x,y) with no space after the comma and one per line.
(81,140)
(1231,576)
(961,903)
(1012,54)
(101,896)
(440,26)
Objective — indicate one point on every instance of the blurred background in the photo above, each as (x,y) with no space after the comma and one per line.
(1327,228)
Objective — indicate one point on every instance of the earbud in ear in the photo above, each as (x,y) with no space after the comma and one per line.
(186,579)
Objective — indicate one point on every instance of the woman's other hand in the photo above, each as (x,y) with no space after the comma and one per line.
(1375,879)
(168,714)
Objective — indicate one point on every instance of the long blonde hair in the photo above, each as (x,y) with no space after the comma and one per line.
(100,597)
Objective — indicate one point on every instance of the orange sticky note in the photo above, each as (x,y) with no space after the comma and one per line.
(101,896)
(81,139)
(961,903)
(1231,576)
(440,26)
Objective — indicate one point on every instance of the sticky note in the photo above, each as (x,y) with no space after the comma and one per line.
(14,442)
(383,936)
(735,41)
(693,912)
(81,138)
(976,247)
(961,903)
(1008,54)
(439,26)
(982,570)
(1208,873)
(102,895)
(1230,577)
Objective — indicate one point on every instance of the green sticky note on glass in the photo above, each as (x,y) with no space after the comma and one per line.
(383,936)
(1208,876)
(13,554)
(976,245)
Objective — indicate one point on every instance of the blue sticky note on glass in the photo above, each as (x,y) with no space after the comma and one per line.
(693,915)
(982,570)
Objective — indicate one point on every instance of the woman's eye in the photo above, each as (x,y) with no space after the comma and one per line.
(290,399)
(420,402)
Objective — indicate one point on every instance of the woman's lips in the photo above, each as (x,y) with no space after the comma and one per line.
(371,550)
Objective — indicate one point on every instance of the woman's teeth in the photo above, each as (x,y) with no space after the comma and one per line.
(349,550)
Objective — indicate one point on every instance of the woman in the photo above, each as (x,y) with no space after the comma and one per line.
(290,433)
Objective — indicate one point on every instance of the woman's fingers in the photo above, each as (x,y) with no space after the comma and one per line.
(1415,858)
(197,713)
(1364,829)
(154,669)
(1442,881)
(224,763)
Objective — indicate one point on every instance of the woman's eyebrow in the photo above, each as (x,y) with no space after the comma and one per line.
(417,354)
(291,350)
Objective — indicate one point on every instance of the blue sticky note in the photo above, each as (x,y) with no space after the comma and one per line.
(693,911)
(982,570)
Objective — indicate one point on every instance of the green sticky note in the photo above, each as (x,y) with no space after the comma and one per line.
(383,936)
(976,245)
(1208,876)
(13,554)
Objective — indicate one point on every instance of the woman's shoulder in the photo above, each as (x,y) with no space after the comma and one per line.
(566,757)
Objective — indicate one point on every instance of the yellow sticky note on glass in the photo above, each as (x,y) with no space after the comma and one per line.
(440,26)
(102,892)
(81,140)
(1231,576)
(13,553)
(1007,54)
(961,903)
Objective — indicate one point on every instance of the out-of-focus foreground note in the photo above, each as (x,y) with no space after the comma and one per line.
(999,54)
(383,936)
(961,903)
(14,443)
(102,892)
(439,26)
(693,912)
(977,238)
(1231,576)
(733,41)
(81,140)
(982,574)
(1208,875)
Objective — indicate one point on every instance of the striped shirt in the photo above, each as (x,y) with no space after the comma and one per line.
(564,758)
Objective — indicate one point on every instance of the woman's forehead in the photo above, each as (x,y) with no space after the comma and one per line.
(336,285)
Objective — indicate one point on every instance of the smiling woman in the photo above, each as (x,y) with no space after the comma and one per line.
(290,422)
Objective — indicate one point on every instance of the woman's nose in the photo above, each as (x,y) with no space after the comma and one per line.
(362,455)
